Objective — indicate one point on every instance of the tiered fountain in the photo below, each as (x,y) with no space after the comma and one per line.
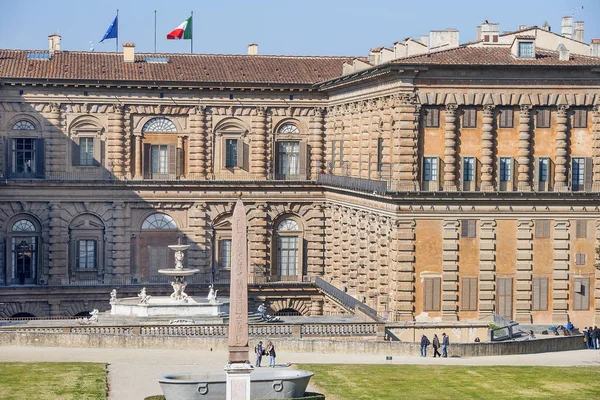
(179,304)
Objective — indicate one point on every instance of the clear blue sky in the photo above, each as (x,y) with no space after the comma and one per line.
(301,27)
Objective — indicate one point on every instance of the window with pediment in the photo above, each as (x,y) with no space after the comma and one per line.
(159,221)
(23,125)
(159,125)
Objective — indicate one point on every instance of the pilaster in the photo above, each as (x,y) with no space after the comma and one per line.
(199,254)
(197,144)
(57,251)
(258,166)
(257,241)
(597,280)
(405,147)
(524,181)
(115,154)
(560,273)
(487,149)
(316,143)
(450,270)
(55,152)
(596,147)
(487,267)
(560,168)
(450,149)
(120,245)
(524,270)
(387,139)
(402,255)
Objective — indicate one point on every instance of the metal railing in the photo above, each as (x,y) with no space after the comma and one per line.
(348,182)
(347,301)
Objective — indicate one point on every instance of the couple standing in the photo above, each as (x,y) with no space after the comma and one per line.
(261,351)
(436,345)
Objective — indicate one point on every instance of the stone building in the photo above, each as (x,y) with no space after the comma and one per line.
(430,180)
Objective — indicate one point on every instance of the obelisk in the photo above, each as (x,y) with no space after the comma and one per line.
(238,368)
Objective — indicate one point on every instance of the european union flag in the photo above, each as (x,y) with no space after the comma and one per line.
(113,30)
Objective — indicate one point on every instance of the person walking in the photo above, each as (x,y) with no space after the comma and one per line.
(445,344)
(436,346)
(424,343)
(272,354)
(594,335)
(258,350)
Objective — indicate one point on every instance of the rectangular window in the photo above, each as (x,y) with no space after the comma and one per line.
(543,170)
(468,294)
(581,231)
(505,169)
(231,153)
(469,118)
(580,118)
(86,151)
(542,228)
(578,174)
(468,228)
(432,295)
(287,252)
(525,49)
(507,118)
(542,118)
(23,156)
(289,158)
(581,295)
(430,169)
(432,117)
(505,297)
(87,254)
(580,258)
(468,169)
(225,255)
(540,294)
(160,156)
(379,154)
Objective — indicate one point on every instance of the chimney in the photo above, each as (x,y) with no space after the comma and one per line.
(521,27)
(563,52)
(578,30)
(595,48)
(252,49)
(566,27)
(424,39)
(443,40)
(546,26)
(375,56)
(490,32)
(53,42)
(128,52)
(478,34)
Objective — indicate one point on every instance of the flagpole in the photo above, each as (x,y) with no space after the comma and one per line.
(192,40)
(155,31)
(117,41)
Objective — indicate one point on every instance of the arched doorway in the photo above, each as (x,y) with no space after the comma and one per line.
(23,243)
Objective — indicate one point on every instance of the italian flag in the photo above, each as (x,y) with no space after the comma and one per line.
(183,31)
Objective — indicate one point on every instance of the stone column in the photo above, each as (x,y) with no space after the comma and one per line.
(487,267)
(127,143)
(258,166)
(138,157)
(209,149)
(450,270)
(196,144)
(57,250)
(597,285)
(450,149)
(387,139)
(524,270)
(115,154)
(405,149)
(524,181)
(55,310)
(402,253)
(179,168)
(596,147)
(487,149)
(560,167)
(560,275)
(316,142)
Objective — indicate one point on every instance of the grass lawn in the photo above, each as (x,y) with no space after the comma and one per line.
(383,382)
(52,381)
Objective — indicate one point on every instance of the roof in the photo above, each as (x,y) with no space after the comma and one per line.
(493,55)
(181,68)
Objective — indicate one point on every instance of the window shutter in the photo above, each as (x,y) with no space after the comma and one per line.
(40,162)
(477,176)
(497,173)
(473,295)
(428,117)
(581,228)
(97,143)
(472,228)
(543,293)
(245,156)
(550,174)
(514,174)
(428,295)
(303,155)
(7,155)
(147,160)
(536,293)
(75,152)
(536,174)
(465,294)
(172,151)
(223,152)
(240,153)
(96,256)
(341,142)
(589,173)
(436,293)
(436,117)
(464,228)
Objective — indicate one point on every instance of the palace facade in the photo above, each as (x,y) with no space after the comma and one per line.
(430,180)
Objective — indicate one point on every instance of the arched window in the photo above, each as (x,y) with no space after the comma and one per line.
(288,249)
(23,125)
(159,221)
(289,129)
(159,125)
(22,263)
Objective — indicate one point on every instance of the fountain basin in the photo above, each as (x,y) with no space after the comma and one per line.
(178,272)
(165,306)
(265,384)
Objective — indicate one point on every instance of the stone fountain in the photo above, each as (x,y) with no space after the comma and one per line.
(179,304)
